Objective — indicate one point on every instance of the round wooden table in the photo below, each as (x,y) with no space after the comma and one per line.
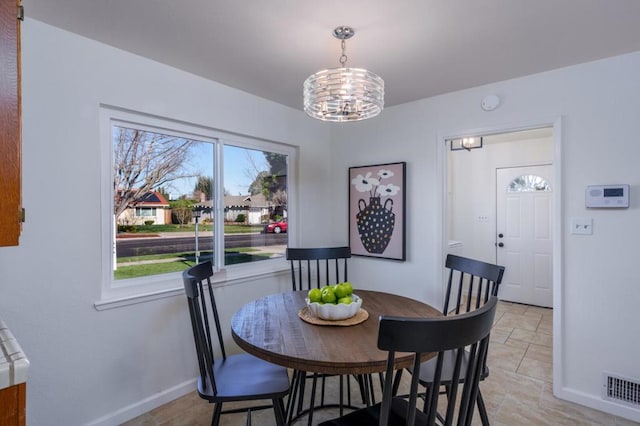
(270,328)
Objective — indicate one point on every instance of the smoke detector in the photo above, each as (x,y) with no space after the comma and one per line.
(490,102)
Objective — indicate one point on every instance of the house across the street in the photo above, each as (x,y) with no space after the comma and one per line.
(153,206)
(255,208)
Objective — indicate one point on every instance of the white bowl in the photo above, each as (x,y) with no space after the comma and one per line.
(329,311)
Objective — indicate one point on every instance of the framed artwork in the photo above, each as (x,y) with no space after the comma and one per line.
(377,210)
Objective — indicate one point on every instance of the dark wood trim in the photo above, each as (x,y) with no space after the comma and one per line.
(10,124)
(13,405)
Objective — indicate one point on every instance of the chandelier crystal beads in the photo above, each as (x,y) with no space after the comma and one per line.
(343,94)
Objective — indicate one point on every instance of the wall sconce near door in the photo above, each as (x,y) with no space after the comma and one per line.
(465,143)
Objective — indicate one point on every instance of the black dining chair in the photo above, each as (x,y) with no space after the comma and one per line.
(441,335)
(314,268)
(470,285)
(240,377)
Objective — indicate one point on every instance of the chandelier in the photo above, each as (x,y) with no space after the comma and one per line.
(343,94)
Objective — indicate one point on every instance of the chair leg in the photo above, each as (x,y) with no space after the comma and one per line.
(291,399)
(313,398)
(249,417)
(482,409)
(323,388)
(296,396)
(301,384)
(371,397)
(217,411)
(366,389)
(341,405)
(396,382)
(278,409)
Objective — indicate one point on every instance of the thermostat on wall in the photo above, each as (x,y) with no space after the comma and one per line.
(607,196)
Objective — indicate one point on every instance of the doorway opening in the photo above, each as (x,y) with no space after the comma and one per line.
(470,214)
(472,194)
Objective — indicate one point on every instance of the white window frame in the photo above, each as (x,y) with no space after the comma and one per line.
(116,293)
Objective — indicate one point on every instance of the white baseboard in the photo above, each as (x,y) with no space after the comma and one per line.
(136,409)
(596,403)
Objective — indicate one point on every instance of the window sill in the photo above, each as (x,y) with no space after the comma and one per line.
(230,276)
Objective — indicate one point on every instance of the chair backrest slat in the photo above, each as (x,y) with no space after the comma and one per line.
(201,304)
(471,279)
(441,334)
(453,388)
(325,266)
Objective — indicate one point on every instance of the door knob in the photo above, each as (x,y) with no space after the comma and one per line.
(500,235)
(500,244)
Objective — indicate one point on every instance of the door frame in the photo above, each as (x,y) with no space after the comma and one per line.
(442,219)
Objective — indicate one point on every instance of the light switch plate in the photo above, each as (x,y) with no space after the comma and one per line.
(581,226)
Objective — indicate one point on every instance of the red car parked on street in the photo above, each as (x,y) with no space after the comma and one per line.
(277,227)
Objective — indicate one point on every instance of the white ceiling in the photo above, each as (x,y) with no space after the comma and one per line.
(420,48)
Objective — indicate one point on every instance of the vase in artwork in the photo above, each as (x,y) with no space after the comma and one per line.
(375,224)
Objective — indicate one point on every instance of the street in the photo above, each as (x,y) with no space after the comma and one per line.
(162,245)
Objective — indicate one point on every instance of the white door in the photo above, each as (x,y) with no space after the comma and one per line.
(524,234)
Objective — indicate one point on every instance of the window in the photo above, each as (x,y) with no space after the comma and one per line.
(179,194)
(145,212)
(529,183)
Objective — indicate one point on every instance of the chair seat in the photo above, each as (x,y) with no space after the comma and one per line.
(245,377)
(371,416)
(428,368)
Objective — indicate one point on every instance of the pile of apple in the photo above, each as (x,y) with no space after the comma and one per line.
(334,294)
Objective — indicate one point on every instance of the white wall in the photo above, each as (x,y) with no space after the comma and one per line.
(472,189)
(87,365)
(599,104)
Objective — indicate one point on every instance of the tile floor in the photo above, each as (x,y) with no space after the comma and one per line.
(517,392)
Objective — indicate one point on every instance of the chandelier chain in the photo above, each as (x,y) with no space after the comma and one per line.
(343,57)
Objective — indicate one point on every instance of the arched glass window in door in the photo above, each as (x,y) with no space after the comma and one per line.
(529,183)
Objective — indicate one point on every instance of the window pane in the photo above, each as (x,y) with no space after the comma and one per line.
(158,179)
(145,212)
(529,183)
(255,204)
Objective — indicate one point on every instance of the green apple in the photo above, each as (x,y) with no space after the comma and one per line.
(329,295)
(315,295)
(349,287)
(347,300)
(342,291)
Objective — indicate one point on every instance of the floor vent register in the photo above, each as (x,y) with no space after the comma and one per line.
(621,389)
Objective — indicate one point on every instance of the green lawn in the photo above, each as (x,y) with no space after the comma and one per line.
(180,262)
(134,271)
